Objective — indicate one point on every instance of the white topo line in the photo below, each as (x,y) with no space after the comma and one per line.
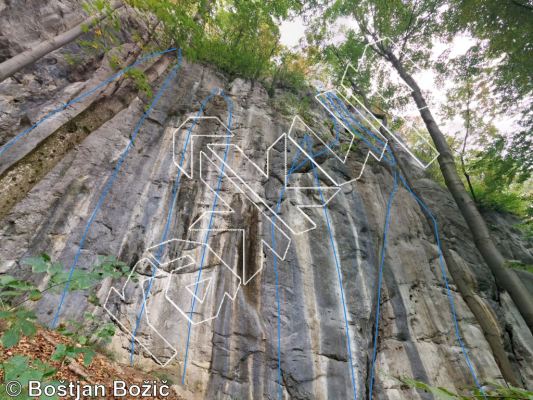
(211,159)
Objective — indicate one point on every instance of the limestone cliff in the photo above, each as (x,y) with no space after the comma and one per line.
(53,177)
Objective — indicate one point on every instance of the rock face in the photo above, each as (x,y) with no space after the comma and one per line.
(326,283)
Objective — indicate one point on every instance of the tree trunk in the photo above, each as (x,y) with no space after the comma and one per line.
(465,282)
(505,279)
(463,150)
(466,285)
(16,63)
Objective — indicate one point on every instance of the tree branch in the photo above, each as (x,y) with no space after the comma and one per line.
(526,6)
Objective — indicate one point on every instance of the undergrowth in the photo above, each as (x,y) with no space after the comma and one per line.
(491,390)
(17,321)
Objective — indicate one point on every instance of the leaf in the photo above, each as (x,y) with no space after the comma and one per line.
(88,356)
(35,295)
(59,353)
(10,293)
(14,367)
(6,280)
(22,285)
(93,299)
(55,268)
(38,264)
(25,314)
(441,393)
(30,375)
(46,369)
(82,280)
(28,328)
(10,338)
(89,316)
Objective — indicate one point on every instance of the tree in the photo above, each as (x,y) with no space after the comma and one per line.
(412,25)
(240,37)
(502,55)
(504,29)
(28,57)
(471,100)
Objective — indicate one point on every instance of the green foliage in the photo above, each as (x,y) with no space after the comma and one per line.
(409,24)
(81,279)
(13,287)
(72,59)
(527,228)
(140,80)
(503,200)
(90,333)
(492,391)
(105,333)
(499,166)
(239,37)
(115,62)
(501,174)
(63,351)
(241,40)
(22,369)
(87,336)
(505,29)
(22,323)
(19,323)
(519,265)
(96,6)
(100,37)
(289,73)
(504,162)
(290,104)
(439,392)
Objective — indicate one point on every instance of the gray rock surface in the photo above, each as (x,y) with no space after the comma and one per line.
(235,354)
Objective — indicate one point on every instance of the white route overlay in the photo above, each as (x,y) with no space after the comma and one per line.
(176,276)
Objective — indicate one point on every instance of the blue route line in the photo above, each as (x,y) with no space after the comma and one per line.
(445,278)
(343,112)
(160,248)
(380,280)
(208,233)
(294,167)
(339,274)
(112,179)
(15,139)
(390,160)
(275,260)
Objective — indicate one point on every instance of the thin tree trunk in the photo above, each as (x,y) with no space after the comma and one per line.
(505,278)
(463,150)
(466,285)
(467,177)
(16,63)
(463,279)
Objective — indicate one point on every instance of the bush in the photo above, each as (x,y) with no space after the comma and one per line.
(491,390)
(510,200)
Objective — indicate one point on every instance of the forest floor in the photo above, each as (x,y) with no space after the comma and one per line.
(102,370)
